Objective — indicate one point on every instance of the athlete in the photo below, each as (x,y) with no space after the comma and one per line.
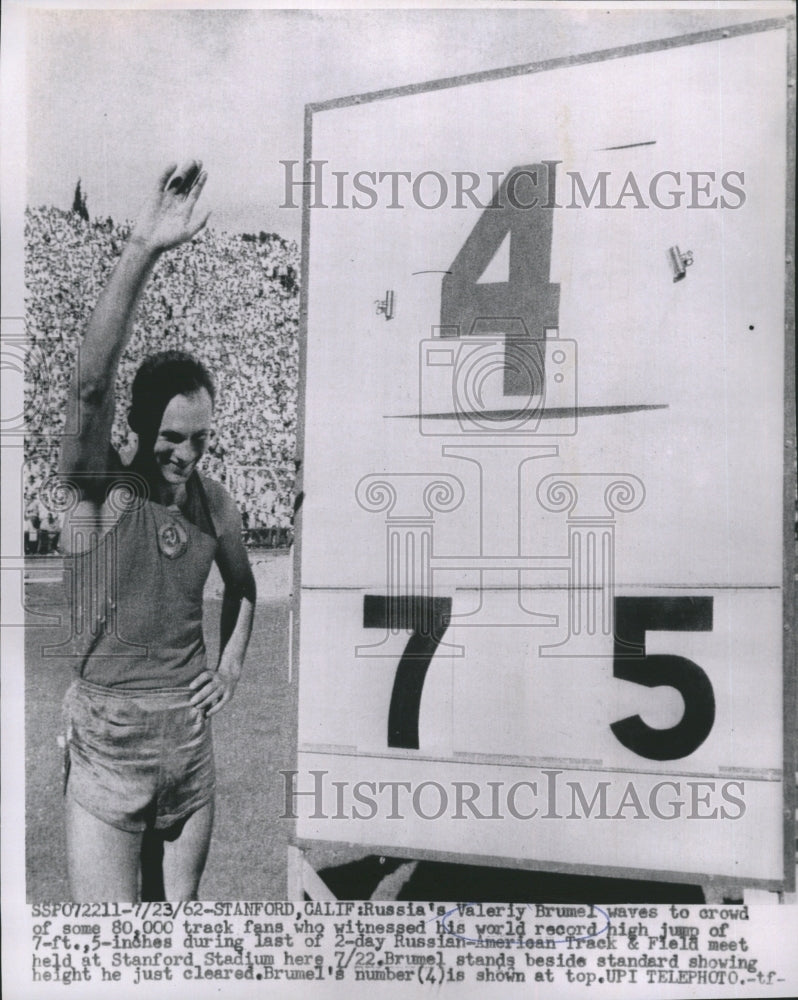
(140,541)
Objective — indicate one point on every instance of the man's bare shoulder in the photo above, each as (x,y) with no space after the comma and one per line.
(223,507)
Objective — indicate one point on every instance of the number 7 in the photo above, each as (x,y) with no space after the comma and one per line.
(428,617)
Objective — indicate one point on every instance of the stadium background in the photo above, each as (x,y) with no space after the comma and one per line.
(231,300)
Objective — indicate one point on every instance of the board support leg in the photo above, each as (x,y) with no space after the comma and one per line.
(303,880)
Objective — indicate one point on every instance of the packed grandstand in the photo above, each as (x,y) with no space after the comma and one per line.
(232,300)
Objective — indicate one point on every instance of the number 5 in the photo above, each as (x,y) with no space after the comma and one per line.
(634,616)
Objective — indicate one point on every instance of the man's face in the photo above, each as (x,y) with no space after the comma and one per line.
(183,435)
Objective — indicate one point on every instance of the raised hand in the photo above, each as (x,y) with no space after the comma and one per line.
(168,218)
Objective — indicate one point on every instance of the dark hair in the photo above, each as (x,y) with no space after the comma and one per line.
(161,377)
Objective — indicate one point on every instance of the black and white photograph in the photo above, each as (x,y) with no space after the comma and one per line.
(399,498)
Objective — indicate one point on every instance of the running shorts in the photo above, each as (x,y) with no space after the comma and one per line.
(137,759)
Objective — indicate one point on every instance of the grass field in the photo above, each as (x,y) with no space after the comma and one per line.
(254,738)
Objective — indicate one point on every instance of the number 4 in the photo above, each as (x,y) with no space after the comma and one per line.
(523,212)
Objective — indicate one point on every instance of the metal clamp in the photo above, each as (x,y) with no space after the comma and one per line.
(680,262)
(385,306)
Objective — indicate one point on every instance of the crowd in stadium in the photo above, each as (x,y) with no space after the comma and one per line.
(232,300)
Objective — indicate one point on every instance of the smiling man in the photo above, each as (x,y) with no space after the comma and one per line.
(140,541)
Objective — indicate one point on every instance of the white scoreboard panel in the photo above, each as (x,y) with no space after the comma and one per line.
(542,534)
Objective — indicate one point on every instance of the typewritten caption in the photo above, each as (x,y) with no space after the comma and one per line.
(421,943)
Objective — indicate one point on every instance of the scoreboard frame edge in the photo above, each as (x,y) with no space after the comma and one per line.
(790,477)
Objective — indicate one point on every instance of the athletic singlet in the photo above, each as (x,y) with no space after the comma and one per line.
(137,596)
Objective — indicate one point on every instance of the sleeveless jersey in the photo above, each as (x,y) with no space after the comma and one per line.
(137,595)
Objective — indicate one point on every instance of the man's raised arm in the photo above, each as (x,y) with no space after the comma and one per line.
(165,222)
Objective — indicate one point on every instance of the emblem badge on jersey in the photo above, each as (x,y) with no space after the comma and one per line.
(172,539)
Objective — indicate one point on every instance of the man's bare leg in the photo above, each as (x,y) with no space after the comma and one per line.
(103,862)
(184,855)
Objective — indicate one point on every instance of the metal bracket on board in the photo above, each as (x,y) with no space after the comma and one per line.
(385,307)
(680,262)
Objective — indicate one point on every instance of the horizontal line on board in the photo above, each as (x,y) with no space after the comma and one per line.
(588,764)
(466,758)
(629,145)
(551,413)
(326,748)
(755,774)
(543,586)
(509,758)
(589,587)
